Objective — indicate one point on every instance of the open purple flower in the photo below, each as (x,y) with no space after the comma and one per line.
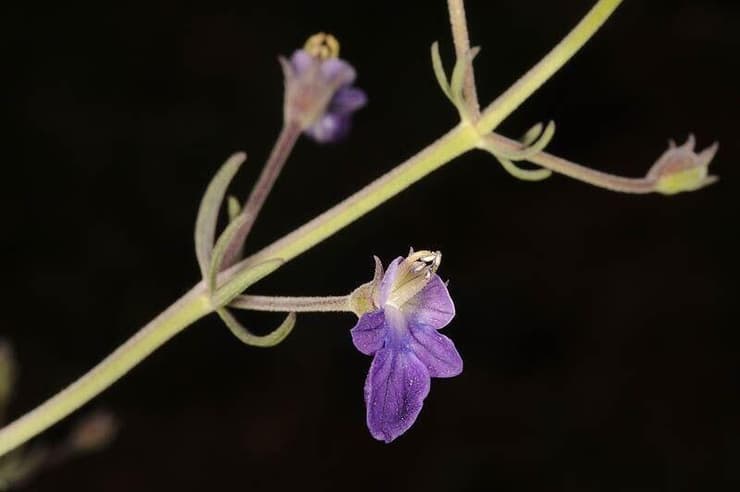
(319,95)
(411,303)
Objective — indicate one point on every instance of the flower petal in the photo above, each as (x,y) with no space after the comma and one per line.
(432,306)
(337,72)
(395,390)
(369,333)
(347,100)
(388,279)
(436,351)
(301,62)
(330,127)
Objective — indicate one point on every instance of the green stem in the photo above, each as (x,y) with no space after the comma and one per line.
(179,315)
(457,141)
(459,24)
(293,304)
(507,102)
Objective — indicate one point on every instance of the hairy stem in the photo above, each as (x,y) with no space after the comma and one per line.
(293,304)
(513,97)
(460,37)
(278,157)
(577,171)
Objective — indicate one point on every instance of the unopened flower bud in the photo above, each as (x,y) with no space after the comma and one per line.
(682,169)
(319,95)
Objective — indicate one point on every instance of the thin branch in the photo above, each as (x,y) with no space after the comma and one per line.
(274,166)
(577,171)
(293,304)
(462,49)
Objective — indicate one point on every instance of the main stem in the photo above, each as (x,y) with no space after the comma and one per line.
(515,95)
(190,307)
(457,141)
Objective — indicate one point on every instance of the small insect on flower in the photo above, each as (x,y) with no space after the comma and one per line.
(409,304)
(319,95)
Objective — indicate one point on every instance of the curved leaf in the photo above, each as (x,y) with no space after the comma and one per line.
(205,224)
(270,340)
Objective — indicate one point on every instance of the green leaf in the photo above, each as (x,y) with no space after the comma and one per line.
(439,72)
(523,174)
(205,224)
(270,340)
(233,206)
(534,143)
(458,77)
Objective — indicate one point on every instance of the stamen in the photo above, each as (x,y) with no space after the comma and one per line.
(414,273)
(322,46)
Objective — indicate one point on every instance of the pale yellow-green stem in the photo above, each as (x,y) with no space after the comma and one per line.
(196,304)
(515,95)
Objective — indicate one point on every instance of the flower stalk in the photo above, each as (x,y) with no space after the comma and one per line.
(287,139)
(281,304)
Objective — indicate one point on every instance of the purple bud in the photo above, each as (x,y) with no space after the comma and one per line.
(319,95)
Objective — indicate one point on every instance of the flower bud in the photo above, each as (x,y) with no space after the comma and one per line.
(319,95)
(681,169)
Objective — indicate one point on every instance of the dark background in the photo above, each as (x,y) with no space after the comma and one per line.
(596,328)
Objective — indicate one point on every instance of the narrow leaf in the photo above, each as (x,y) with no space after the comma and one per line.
(219,251)
(233,206)
(524,174)
(439,72)
(270,340)
(458,77)
(205,224)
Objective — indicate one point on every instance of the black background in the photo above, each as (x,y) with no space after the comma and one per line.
(600,351)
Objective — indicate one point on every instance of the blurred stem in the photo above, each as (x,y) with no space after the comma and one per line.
(461,39)
(192,306)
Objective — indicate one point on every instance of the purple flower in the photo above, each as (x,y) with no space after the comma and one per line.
(319,95)
(410,304)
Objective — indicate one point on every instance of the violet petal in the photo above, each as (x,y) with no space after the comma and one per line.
(301,62)
(369,333)
(436,351)
(347,100)
(395,390)
(386,285)
(330,127)
(432,306)
(338,72)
